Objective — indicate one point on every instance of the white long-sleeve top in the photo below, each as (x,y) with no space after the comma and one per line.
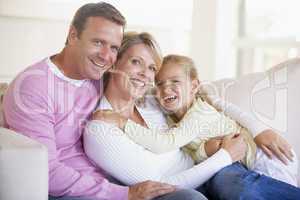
(113,151)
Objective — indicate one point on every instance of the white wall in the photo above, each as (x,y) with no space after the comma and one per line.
(34,29)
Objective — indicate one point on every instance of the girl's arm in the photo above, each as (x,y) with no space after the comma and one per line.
(109,148)
(201,121)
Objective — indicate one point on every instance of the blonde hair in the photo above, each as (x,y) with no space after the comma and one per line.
(188,66)
(185,62)
(132,38)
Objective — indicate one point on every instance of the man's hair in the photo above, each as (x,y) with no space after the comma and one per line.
(100,9)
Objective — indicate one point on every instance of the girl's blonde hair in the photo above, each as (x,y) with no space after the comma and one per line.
(185,62)
(188,66)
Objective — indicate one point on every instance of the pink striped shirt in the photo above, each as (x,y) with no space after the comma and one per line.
(43,104)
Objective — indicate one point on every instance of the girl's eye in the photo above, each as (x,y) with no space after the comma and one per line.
(153,68)
(136,62)
(175,81)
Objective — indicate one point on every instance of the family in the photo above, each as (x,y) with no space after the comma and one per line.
(122,122)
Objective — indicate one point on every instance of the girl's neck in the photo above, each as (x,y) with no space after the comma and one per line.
(181,112)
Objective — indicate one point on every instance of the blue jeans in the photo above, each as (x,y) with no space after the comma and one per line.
(236,182)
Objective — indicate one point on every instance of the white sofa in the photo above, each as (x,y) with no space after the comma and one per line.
(272,96)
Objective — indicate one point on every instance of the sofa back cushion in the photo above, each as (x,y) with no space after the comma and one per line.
(3,87)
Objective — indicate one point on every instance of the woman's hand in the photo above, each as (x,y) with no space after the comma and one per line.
(213,145)
(235,145)
(110,116)
(273,144)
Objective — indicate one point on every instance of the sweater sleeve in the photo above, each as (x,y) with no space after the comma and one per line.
(130,163)
(201,121)
(246,119)
(30,113)
(200,173)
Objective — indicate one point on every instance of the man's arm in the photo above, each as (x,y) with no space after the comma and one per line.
(29,112)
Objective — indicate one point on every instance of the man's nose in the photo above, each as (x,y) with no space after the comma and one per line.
(104,53)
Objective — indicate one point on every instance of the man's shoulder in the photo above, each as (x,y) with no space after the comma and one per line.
(34,77)
(35,72)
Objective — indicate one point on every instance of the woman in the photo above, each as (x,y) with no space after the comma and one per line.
(107,146)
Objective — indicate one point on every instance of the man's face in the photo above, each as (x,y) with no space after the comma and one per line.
(96,49)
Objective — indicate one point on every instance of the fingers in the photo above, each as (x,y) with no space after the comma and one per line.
(279,154)
(267,151)
(287,153)
(285,148)
(148,190)
(160,189)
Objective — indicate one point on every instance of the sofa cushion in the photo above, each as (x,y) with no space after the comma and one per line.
(23,167)
(3,87)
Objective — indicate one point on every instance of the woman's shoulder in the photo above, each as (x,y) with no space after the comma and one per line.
(151,112)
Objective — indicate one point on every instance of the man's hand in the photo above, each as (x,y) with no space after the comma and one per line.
(110,116)
(274,145)
(148,190)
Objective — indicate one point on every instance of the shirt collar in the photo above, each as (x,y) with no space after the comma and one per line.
(58,73)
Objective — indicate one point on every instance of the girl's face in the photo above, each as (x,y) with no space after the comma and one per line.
(134,71)
(175,89)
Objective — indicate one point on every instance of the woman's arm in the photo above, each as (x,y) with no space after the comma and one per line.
(130,163)
(201,121)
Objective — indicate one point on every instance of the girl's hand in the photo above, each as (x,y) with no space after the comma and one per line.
(235,145)
(274,145)
(212,145)
(110,116)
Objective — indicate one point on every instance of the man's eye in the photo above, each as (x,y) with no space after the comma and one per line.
(98,43)
(115,49)
(158,84)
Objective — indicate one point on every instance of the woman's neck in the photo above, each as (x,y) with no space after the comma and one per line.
(125,106)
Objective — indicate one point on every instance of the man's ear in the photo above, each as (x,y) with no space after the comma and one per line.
(73,35)
(195,86)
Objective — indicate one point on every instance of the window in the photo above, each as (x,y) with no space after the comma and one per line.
(268,34)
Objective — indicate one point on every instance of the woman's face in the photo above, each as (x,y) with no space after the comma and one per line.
(134,72)
(175,89)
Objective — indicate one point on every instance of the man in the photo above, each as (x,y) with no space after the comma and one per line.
(51,101)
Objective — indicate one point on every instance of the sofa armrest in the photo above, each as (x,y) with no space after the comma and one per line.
(23,167)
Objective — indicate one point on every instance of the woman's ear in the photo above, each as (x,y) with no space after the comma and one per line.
(195,86)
